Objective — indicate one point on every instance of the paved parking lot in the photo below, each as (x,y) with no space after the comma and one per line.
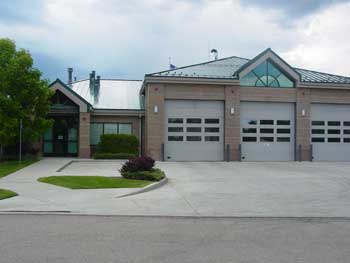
(194,189)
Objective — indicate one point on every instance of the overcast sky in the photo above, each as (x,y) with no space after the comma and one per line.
(128,38)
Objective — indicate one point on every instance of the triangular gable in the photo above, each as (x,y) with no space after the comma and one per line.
(268,54)
(84,106)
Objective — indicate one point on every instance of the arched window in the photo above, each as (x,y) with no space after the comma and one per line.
(267,75)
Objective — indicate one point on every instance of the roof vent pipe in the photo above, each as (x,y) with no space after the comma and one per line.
(70,76)
(215,53)
(98,82)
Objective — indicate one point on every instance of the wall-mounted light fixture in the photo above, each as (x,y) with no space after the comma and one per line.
(232,110)
(155,109)
(303,112)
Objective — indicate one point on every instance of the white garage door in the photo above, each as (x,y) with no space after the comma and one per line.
(194,130)
(267,131)
(330,132)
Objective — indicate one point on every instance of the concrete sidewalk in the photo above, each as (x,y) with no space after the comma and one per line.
(194,189)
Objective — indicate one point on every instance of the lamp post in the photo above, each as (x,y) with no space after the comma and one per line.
(20,140)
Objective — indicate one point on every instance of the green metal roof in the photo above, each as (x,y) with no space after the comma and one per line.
(227,68)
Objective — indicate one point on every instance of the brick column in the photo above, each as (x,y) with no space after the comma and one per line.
(303,124)
(232,121)
(84,135)
(154,128)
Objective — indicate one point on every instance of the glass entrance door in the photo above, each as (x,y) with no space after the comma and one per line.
(62,138)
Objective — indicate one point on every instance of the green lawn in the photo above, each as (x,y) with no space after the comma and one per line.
(6,194)
(9,167)
(93,182)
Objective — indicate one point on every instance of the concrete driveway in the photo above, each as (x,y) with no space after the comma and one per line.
(194,189)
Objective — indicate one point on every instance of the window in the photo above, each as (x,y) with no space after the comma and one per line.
(175,138)
(317,131)
(194,129)
(318,123)
(346,131)
(346,140)
(283,122)
(266,139)
(212,138)
(97,129)
(175,120)
(194,121)
(194,138)
(124,128)
(333,139)
(346,123)
(266,122)
(317,140)
(266,130)
(175,129)
(212,121)
(334,123)
(333,131)
(283,139)
(250,122)
(249,130)
(284,131)
(249,139)
(212,129)
(111,128)
(267,75)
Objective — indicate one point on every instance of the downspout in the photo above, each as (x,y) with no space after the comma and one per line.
(140,135)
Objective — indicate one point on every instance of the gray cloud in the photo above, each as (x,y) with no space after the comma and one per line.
(293,8)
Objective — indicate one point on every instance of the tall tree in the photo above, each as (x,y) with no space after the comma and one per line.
(23,95)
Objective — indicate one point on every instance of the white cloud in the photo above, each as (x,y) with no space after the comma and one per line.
(131,38)
(323,41)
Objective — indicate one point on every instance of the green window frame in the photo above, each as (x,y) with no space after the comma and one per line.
(99,128)
(267,74)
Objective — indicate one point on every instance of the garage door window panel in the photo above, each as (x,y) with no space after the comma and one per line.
(212,121)
(316,139)
(266,122)
(346,123)
(249,139)
(283,131)
(283,139)
(194,121)
(266,139)
(212,138)
(268,131)
(212,129)
(175,120)
(194,129)
(334,140)
(332,131)
(249,130)
(333,123)
(283,122)
(318,123)
(347,140)
(193,138)
(175,129)
(318,131)
(175,138)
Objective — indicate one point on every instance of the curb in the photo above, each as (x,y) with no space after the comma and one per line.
(146,189)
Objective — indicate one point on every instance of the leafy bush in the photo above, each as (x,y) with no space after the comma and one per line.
(152,175)
(118,143)
(138,164)
(111,156)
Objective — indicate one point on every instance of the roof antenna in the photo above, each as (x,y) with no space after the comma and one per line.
(171,66)
(215,53)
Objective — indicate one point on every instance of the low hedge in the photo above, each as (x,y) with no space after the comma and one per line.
(153,175)
(118,143)
(112,156)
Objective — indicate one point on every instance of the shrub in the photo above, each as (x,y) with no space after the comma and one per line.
(152,175)
(118,143)
(122,156)
(138,164)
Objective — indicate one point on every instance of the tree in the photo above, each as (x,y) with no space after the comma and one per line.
(23,95)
